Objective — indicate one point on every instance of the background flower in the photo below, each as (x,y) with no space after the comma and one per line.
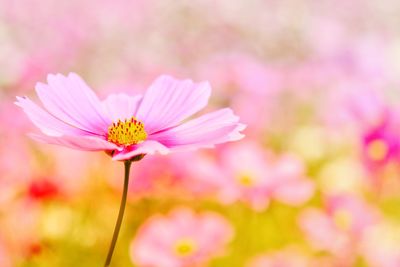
(182,238)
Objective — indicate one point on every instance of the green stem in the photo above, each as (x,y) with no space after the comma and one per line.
(120,214)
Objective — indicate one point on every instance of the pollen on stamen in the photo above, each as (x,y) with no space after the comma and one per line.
(128,132)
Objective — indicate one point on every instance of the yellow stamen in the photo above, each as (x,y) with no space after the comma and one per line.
(185,247)
(128,132)
(377,149)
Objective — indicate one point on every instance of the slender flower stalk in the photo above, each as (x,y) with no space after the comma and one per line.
(122,206)
(121,212)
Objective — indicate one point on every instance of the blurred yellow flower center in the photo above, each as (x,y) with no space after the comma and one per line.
(128,132)
(245,180)
(185,247)
(377,150)
(343,219)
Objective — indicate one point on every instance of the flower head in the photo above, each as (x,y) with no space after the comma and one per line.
(380,245)
(340,225)
(381,144)
(126,126)
(182,238)
(255,176)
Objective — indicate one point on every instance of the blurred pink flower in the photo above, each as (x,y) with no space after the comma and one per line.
(256,176)
(375,123)
(380,245)
(380,152)
(180,239)
(381,145)
(126,126)
(340,226)
(246,175)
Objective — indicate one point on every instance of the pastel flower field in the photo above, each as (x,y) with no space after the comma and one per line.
(163,133)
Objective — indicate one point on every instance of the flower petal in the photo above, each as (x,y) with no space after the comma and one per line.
(205,131)
(169,101)
(72,101)
(44,121)
(86,143)
(121,106)
(147,147)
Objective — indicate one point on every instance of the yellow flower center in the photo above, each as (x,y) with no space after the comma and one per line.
(377,150)
(128,132)
(343,219)
(245,180)
(185,247)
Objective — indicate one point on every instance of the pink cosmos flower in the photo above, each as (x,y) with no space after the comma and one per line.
(256,176)
(127,126)
(386,253)
(339,228)
(247,176)
(376,124)
(180,239)
(381,145)
(244,172)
